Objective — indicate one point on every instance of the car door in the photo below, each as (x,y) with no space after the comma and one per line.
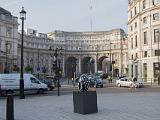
(122,82)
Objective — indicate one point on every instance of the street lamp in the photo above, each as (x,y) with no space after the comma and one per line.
(6,70)
(158,51)
(22,17)
(110,59)
(38,68)
(56,64)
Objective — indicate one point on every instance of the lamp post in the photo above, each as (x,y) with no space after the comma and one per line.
(110,59)
(56,64)
(158,51)
(38,68)
(22,17)
(6,63)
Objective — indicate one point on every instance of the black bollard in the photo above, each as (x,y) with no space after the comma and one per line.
(10,107)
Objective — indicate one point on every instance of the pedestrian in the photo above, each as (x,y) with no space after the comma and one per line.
(110,79)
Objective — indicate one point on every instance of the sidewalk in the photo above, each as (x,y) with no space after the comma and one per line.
(120,106)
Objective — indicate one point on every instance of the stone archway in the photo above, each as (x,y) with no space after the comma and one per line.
(103,64)
(70,67)
(87,65)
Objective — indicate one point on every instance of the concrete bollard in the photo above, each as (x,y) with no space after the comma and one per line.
(10,107)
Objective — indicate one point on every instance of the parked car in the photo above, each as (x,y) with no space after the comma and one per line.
(98,82)
(10,83)
(128,83)
(95,81)
(101,74)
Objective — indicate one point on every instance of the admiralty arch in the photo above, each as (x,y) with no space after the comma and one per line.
(82,52)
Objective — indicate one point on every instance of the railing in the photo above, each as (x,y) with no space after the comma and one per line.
(150,81)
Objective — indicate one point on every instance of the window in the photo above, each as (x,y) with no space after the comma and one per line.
(8,48)
(157,52)
(8,31)
(131,43)
(155,37)
(144,4)
(144,20)
(131,28)
(132,71)
(156,16)
(34,80)
(145,53)
(136,41)
(145,37)
(135,10)
(132,57)
(136,55)
(145,70)
(135,24)
(156,68)
(131,14)
(156,2)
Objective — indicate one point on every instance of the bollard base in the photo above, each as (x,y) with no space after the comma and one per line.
(85,102)
(10,107)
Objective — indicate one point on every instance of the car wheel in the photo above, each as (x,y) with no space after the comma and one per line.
(40,91)
(119,85)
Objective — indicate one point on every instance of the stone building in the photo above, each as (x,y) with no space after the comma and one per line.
(143,27)
(8,40)
(83,52)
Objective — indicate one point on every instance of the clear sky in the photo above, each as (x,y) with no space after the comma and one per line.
(70,15)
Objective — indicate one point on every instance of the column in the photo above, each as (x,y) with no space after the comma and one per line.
(95,63)
(79,65)
(130,69)
(140,70)
(49,64)
(63,69)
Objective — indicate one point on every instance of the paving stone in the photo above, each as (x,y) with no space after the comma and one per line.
(117,106)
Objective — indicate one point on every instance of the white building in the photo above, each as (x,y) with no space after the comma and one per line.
(8,40)
(143,23)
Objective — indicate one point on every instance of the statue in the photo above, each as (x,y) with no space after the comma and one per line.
(83,83)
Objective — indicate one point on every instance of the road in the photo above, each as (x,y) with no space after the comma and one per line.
(113,104)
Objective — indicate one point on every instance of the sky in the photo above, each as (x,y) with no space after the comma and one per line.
(70,15)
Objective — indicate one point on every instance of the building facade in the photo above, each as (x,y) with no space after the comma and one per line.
(143,27)
(83,52)
(8,41)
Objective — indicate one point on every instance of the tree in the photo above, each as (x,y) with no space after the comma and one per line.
(28,69)
(44,70)
(15,68)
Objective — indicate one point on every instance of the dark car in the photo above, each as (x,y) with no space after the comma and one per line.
(49,83)
(98,82)
(95,81)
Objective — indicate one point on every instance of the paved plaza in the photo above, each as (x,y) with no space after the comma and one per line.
(111,106)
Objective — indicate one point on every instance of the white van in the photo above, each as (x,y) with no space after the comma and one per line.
(11,83)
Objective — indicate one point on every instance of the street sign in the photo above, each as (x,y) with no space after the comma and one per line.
(38,69)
